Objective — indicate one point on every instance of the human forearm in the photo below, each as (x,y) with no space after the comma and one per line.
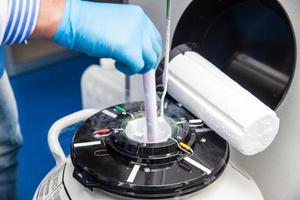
(122,32)
(50,14)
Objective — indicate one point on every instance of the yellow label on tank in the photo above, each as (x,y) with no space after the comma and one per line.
(185,146)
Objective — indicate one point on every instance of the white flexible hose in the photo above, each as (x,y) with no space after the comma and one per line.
(61,124)
(167,58)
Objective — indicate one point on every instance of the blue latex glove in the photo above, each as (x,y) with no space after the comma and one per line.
(118,31)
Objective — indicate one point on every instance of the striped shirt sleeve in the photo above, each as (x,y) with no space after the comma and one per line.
(21,19)
(3,17)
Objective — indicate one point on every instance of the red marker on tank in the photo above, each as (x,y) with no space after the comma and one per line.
(103,131)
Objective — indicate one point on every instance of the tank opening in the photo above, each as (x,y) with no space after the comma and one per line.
(136,130)
(251,41)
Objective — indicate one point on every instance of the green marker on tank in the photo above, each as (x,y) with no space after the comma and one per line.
(121,109)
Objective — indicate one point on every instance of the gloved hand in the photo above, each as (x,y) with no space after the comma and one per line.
(118,31)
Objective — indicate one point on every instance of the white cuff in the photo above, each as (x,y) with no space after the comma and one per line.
(3,18)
